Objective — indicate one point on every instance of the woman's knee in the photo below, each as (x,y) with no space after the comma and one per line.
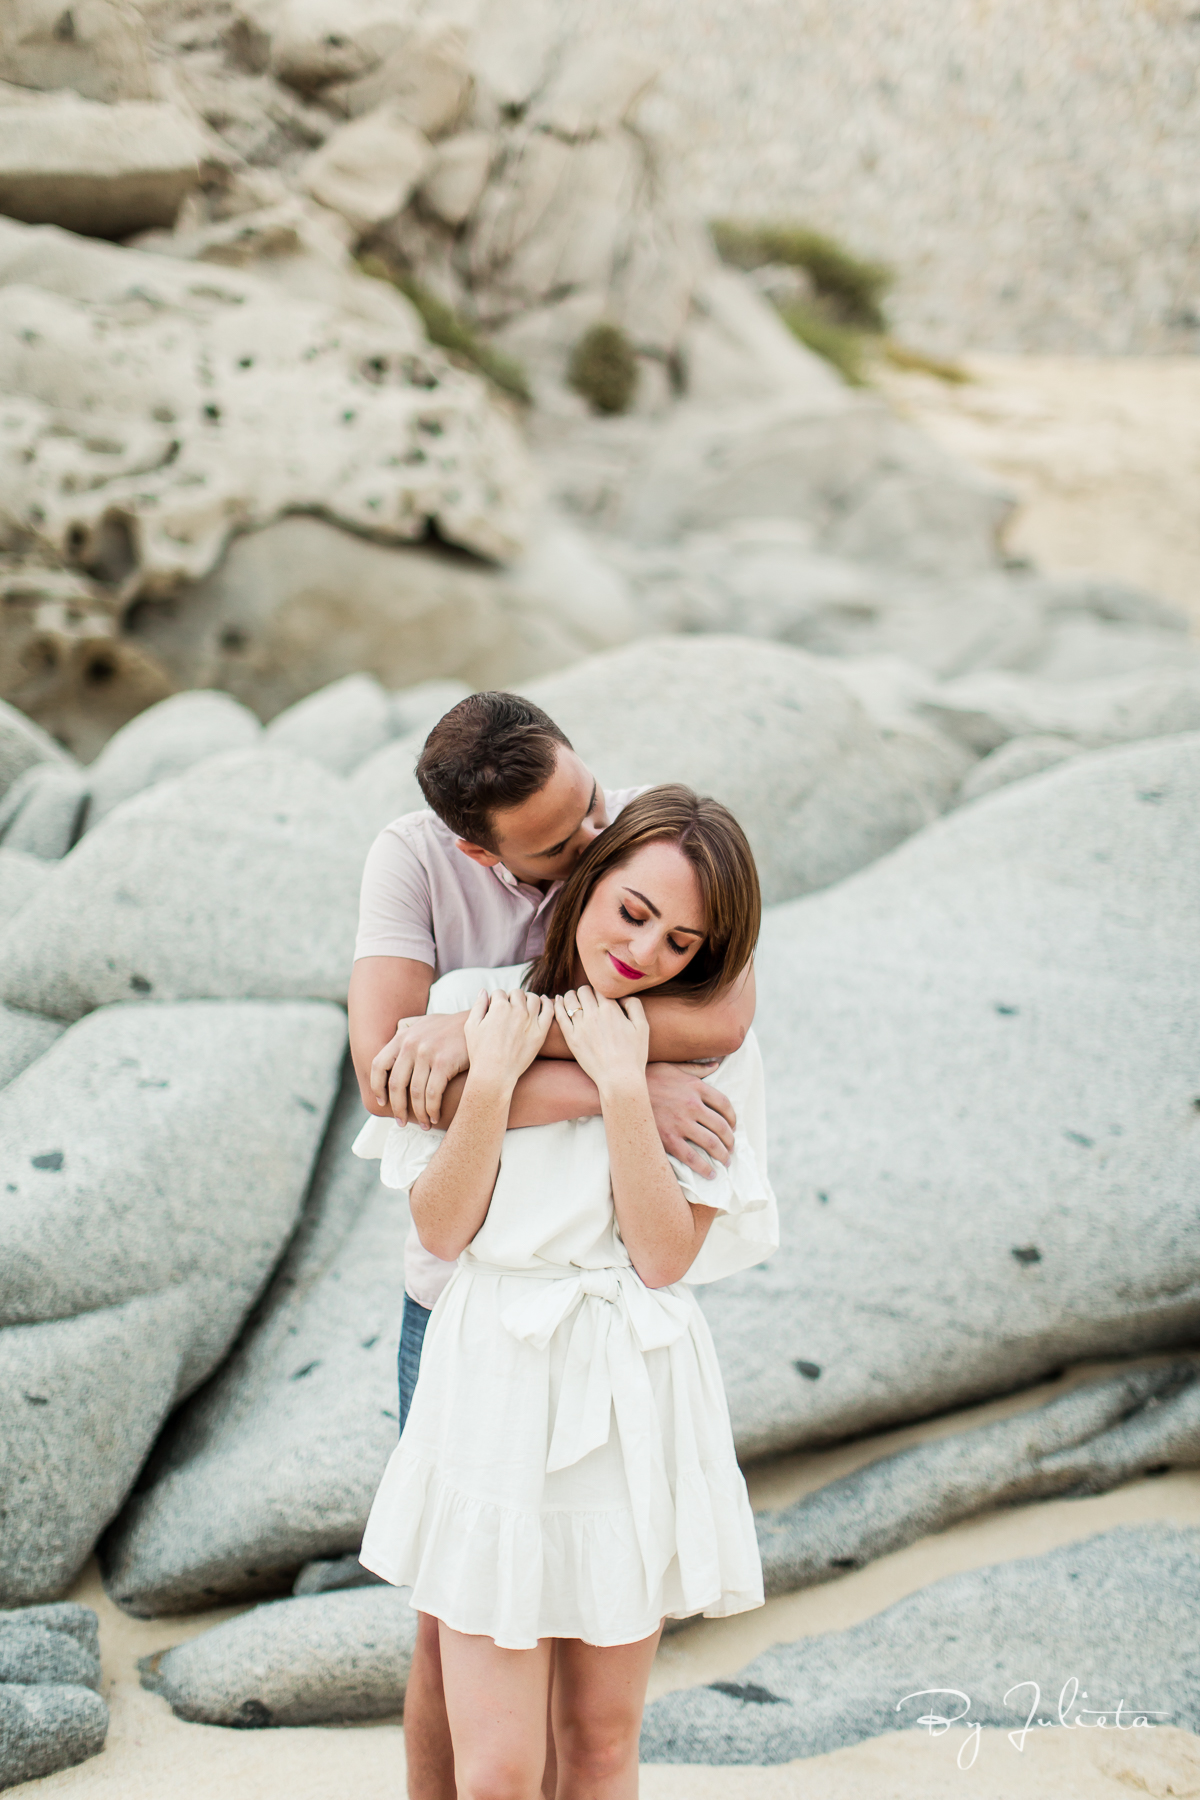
(597,1744)
(497,1778)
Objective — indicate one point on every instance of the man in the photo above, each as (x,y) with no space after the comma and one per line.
(471,884)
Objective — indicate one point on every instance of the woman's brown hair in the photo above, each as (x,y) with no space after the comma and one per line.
(714,843)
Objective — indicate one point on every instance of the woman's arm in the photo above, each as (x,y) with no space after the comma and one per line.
(662,1230)
(450,1199)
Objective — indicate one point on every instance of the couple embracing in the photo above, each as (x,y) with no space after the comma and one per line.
(576,1161)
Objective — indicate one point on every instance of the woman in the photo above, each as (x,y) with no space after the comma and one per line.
(566,1476)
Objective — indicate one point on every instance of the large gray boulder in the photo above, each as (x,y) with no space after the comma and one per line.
(1060,1638)
(323,1659)
(50,1644)
(21,875)
(165,740)
(43,811)
(766,729)
(47,1726)
(339,726)
(23,1038)
(981,1060)
(140,1219)
(22,744)
(986,710)
(1135,1423)
(238,878)
(277,1460)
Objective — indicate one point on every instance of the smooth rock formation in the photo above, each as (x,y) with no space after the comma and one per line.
(1016,760)
(301,603)
(214,403)
(457,176)
(165,740)
(998,1646)
(20,877)
(103,170)
(239,878)
(138,1225)
(24,1036)
(766,729)
(339,726)
(975,1187)
(416,710)
(277,1461)
(367,169)
(22,744)
(984,711)
(871,488)
(1091,1439)
(319,1660)
(43,811)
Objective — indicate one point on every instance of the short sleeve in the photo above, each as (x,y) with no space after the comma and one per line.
(746,1229)
(395,910)
(404,1151)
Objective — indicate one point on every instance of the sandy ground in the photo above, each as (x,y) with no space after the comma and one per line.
(151,1755)
(1102,454)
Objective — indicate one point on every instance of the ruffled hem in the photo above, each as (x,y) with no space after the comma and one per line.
(513,1576)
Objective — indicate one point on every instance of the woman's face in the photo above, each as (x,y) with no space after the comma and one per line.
(643,923)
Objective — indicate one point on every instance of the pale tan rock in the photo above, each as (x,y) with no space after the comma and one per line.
(425,75)
(103,170)
(213,404)
(96,47)
(458,176)
(312,43)
(593,90)
(510,50)
(367,169)
(552,218)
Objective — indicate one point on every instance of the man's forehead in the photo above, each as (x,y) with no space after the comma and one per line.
(554,812)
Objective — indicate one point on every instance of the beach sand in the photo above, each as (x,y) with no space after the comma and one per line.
(1101,453)
(151,1755)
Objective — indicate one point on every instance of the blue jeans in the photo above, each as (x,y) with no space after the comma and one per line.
(412,1336)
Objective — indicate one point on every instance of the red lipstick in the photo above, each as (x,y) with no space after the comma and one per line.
(624,970)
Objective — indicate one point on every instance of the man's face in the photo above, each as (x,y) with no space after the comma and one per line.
(541,840)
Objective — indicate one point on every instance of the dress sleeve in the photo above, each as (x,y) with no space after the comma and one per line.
(404,1151)
(746,1229)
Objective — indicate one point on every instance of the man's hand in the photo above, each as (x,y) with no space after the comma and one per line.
(411,1071)
(691,1116)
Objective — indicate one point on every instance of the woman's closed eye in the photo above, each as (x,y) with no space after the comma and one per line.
(679,949)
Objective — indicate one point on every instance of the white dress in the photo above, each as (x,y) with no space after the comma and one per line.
(567,1465)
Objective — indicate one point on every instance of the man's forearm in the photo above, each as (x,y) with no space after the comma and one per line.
(545,1094)
(681,1031)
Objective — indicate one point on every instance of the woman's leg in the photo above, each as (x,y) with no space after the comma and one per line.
(496,1705)
(427,1748)
(598,1700)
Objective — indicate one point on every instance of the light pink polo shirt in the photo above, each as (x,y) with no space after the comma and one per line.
(422,898)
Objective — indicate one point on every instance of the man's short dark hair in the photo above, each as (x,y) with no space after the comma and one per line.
(488,753)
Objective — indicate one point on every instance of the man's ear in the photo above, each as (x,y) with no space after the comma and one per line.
(487,859)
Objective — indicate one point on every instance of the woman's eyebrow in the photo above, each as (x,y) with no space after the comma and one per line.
(690,929)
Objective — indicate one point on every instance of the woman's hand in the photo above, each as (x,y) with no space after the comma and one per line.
(504,1033)
(609,1039)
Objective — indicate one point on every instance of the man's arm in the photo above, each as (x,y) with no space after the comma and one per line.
(681,1031)
(383,990)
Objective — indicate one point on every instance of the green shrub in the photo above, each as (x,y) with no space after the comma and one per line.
(450,331)
(852,289)
(903,356)
(838,344)
(603,368)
